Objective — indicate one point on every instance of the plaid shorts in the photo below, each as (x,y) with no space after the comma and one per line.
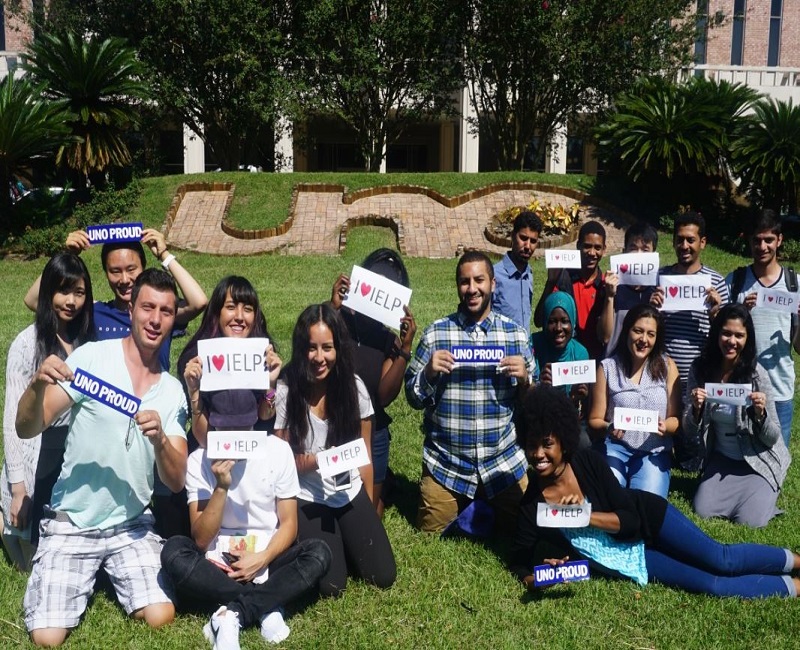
(64,567)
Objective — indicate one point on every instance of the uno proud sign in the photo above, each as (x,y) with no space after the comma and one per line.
(97,389)
(544,574)
(114,232)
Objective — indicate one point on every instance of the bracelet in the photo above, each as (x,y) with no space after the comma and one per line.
(169,260)
(160,253)
(402,353)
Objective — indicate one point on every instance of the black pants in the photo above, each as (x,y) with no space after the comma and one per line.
(48,468)
(356,538)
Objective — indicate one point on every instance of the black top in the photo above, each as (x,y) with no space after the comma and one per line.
(373,344)
(641,514)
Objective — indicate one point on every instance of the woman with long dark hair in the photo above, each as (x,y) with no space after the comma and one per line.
(63,322)
(233,311)
(322,403)
(638,375)
(380,357)
(745,456)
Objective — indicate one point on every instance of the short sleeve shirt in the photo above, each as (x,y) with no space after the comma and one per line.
(103,484)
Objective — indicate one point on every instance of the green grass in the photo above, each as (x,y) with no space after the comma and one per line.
(263,200)
(449,594)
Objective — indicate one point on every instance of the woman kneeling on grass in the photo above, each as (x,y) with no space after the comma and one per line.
(321,403)
(631,533)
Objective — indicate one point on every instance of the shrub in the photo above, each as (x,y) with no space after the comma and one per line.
(556,219)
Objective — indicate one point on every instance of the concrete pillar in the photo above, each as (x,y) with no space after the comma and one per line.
(194,152)
(284,146)
(556,159)
(470,142)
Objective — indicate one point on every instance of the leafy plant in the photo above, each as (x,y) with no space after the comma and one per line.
(556,219)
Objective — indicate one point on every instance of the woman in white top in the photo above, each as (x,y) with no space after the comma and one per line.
(31,467)
(321,403)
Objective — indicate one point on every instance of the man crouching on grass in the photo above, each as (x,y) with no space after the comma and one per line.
(99,513)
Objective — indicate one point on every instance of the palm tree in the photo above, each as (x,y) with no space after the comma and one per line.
(101,80)
(29,126)
(766,150)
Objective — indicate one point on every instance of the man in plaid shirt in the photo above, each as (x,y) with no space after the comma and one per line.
(466,374)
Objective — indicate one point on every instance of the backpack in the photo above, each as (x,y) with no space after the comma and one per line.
(739,275)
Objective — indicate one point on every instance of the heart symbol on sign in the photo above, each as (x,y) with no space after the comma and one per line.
(769,298)
(365,288)
(565,370)
(335,457)
(554,511)
(218,360)
(623,268)
(557,257)
(627,418)
(227,446)
(673,291)
(719,391)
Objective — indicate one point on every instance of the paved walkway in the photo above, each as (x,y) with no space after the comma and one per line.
(429,228)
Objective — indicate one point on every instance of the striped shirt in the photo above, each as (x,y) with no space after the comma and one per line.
(468,420)
(686,331)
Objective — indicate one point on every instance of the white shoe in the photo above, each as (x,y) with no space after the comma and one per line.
(273,627)
(222,631)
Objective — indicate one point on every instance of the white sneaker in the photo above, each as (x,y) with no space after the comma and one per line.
(273,627)
(222,631)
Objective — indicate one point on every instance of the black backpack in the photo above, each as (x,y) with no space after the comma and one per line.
(739,275)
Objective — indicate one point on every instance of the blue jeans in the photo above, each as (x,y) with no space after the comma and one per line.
(683,556)
(380,454)
(785,411)
(294,572)
(639,470)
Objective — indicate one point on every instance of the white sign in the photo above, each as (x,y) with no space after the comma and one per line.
(562,259)
(567,373)
(636,420)
(777,300)
(551,515)
(235,445)
(685,292)
(735,394)
(378,297)
(343,458)
(233,363)
(636,269)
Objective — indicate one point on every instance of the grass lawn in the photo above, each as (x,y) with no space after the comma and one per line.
(449,594)
(262,200)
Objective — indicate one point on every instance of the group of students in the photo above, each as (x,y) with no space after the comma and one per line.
(249,537)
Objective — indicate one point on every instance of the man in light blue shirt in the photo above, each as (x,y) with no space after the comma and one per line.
(99,514)
(513,294)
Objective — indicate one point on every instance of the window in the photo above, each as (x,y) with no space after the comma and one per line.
(737,40)
(774,44)
(574,155)
(701,35)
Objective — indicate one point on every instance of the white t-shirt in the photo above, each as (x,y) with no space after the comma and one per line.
(312,486)
(250,517)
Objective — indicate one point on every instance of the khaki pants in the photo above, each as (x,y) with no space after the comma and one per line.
(438,506)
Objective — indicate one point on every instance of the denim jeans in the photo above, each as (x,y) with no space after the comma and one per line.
(380,454)
(785,411)
(291,574)
(639,470)
(683,556)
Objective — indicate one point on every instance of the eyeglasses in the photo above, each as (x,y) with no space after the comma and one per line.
(130,434)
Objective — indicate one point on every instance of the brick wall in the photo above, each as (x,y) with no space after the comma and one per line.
(756,33)
(17,32)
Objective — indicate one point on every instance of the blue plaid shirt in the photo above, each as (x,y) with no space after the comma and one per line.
(468,422)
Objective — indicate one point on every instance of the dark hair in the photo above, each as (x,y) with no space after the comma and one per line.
(527,219)
(387,263)
(241,292)
(156,279)
(591,228)
(62,271)
(765,221)
(656,365)
(641,230)
(544,411)
(710,359)
(474,256)
(341,393)
(134,246)
(690,219)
